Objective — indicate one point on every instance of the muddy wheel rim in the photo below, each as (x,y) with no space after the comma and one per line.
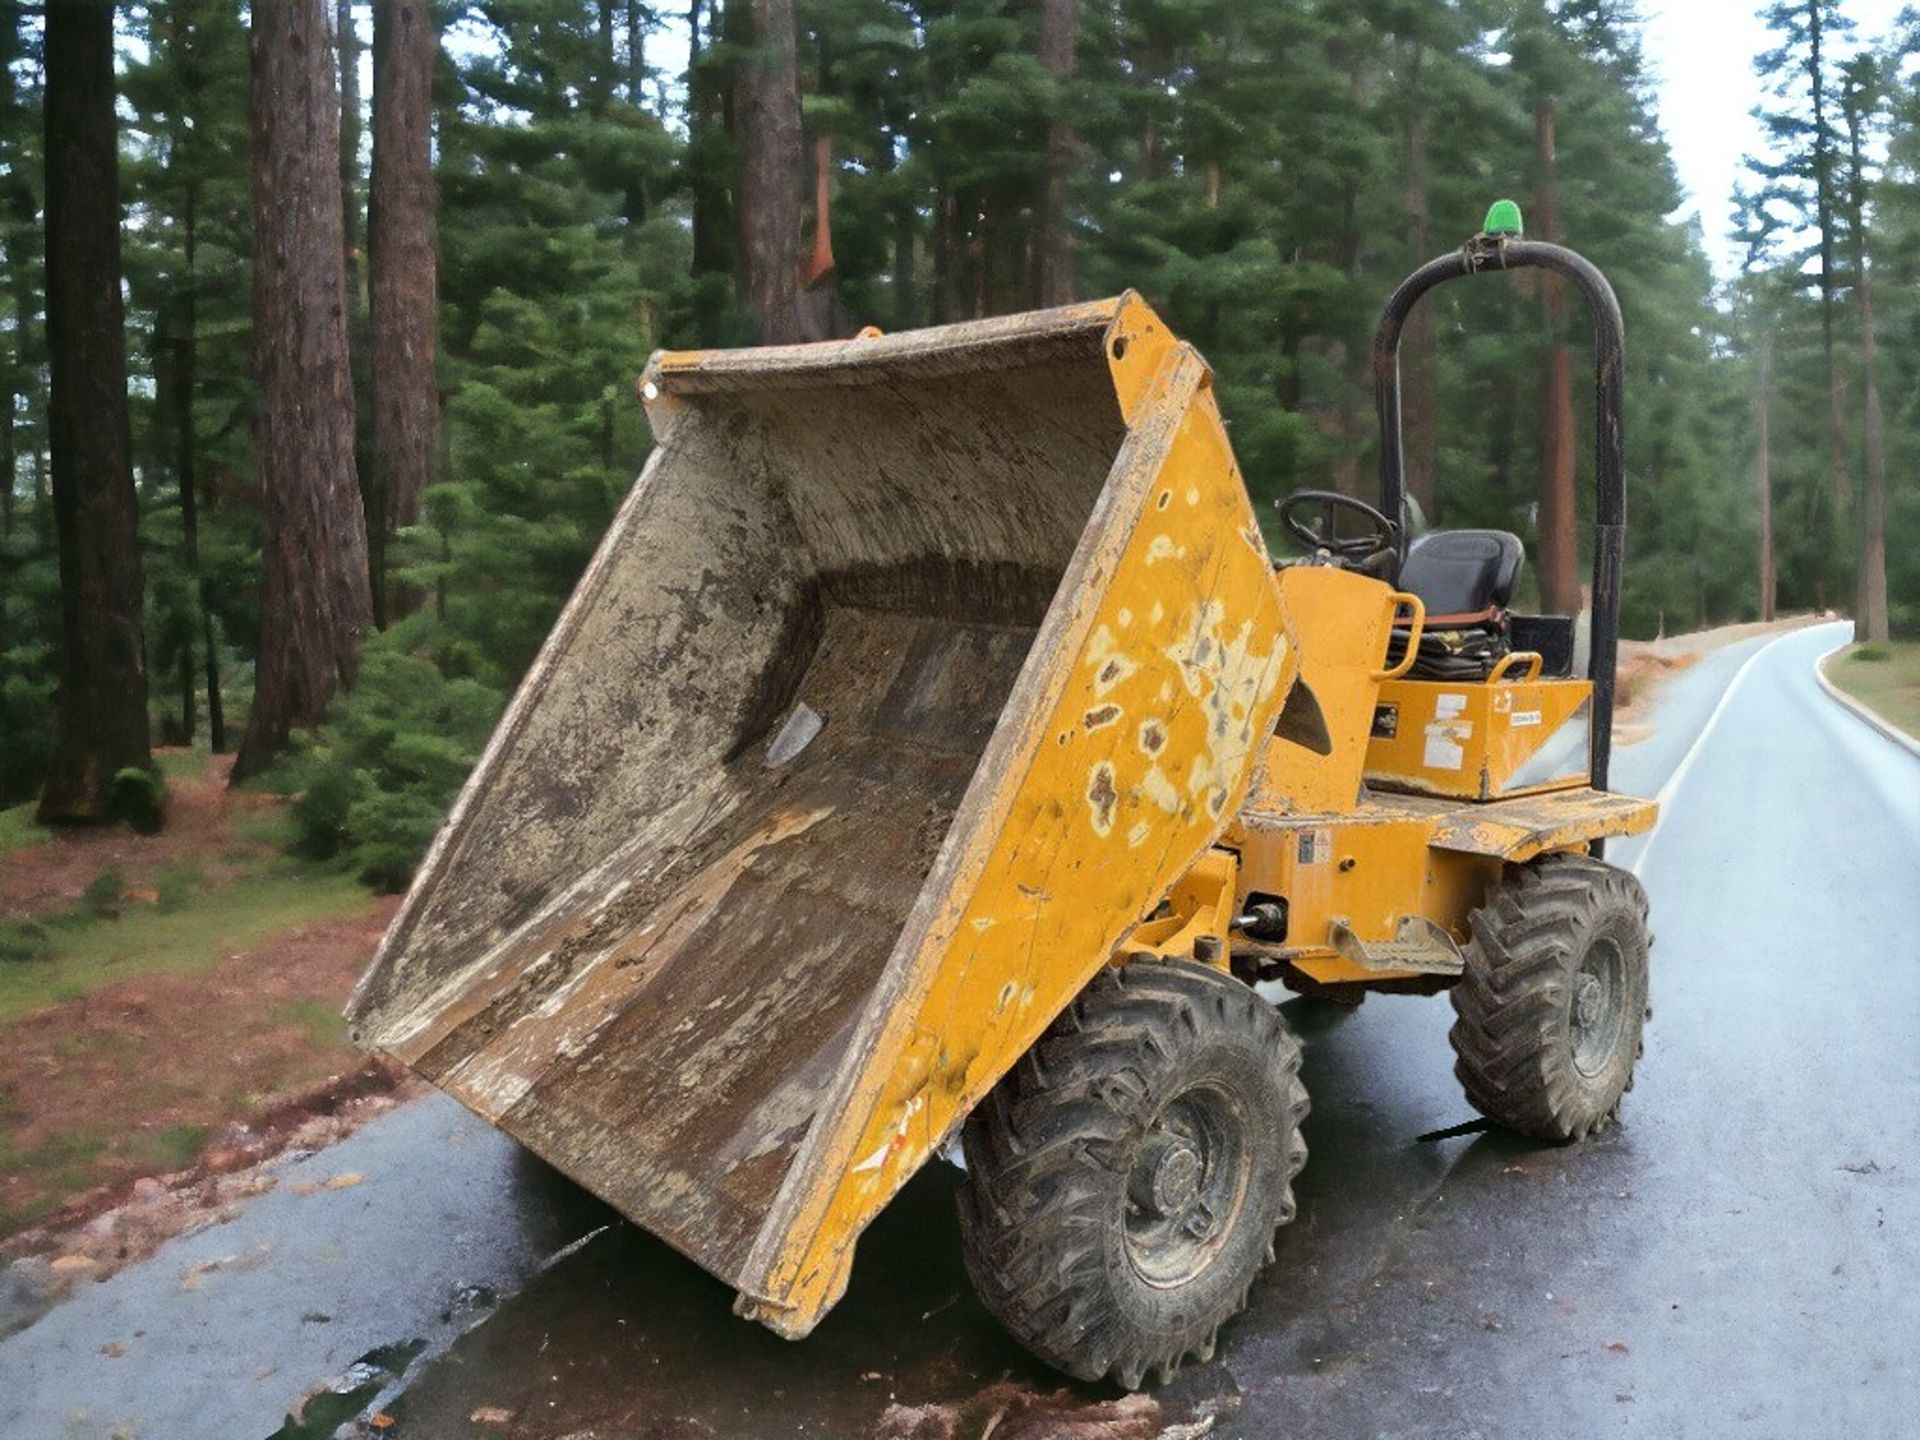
(1596,1018)
(1187,1187)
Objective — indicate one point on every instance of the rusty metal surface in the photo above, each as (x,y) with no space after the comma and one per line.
(1006,342)
(1521,828)
(656,958)
(1125,747)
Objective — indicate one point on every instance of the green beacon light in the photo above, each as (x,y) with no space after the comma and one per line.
(1503,218)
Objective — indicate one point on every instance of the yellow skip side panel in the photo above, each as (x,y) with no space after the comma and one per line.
(1180,666)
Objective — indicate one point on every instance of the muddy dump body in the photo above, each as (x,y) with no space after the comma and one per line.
(911,673)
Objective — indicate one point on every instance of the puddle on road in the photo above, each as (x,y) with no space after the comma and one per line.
(354,1391)
(622,1336)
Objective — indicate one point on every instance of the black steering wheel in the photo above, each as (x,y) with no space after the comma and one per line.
(1382,537)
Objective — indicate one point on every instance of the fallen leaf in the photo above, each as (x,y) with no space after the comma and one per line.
(380,1420)
(196,1273)
(68,1263)
(113,1349)
(1619,1347)
(141,893)
(338,1182)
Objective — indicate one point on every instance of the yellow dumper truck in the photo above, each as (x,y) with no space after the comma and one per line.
(933,751)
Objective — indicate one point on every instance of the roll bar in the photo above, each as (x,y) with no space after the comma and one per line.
(1504,249)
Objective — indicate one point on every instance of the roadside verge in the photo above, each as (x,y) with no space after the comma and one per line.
(1860,708)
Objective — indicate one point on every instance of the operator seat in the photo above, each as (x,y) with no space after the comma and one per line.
(1463,577)
(1466,579)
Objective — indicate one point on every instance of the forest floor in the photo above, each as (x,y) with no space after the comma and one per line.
(1884,678)
(169,1004)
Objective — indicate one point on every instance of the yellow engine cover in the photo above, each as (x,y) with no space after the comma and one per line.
(1481,740)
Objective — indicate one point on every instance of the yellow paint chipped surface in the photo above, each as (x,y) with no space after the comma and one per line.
(1096,820)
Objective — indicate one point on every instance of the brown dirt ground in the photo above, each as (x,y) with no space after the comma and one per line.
(192,1077)
(159,1064)
(42,879)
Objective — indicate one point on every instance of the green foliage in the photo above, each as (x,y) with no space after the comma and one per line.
(23,940)
(177,884)
(101,899)
(18,828)
(1264,173)
(173,1147)
(376,780)
(140,798)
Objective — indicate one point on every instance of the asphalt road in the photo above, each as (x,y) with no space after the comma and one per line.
(1740,1257)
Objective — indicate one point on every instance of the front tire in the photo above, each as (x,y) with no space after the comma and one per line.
(1554,995)
(1125,1180)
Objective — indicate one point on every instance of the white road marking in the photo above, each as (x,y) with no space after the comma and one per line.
(1671,788)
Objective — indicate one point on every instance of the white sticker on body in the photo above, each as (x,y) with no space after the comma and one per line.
(1523,718)
(1443,751)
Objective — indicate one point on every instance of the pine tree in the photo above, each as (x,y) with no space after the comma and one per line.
(406,392)
(187,271)
(1800,187)
(29,569)
(771,151)
(1860,103)
(1059,35)
(315,600)
(101,726)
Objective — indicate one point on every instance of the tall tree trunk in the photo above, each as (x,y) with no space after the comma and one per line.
(1871,610)
(1559,575)
(1420,377)
(905,230)
(20,389)
(101,720)
(12,202)
(1870,604)
(187,466)
(315,598)
(349,47)
(1841,481)
(8,461)
(946,248)
(185,353)
(708,161)
(405,306)
(605,66)
(1059,33)
(638,21)
(772,164)
(1763,479)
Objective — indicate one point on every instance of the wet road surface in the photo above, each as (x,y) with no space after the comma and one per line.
(1740,1257)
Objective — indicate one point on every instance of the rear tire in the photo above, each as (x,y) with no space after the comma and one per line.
(1552,1002)
(1125,1180)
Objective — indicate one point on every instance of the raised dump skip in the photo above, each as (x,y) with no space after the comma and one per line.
(681,931)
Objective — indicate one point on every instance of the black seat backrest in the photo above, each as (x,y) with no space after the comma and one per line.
(1463,572)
